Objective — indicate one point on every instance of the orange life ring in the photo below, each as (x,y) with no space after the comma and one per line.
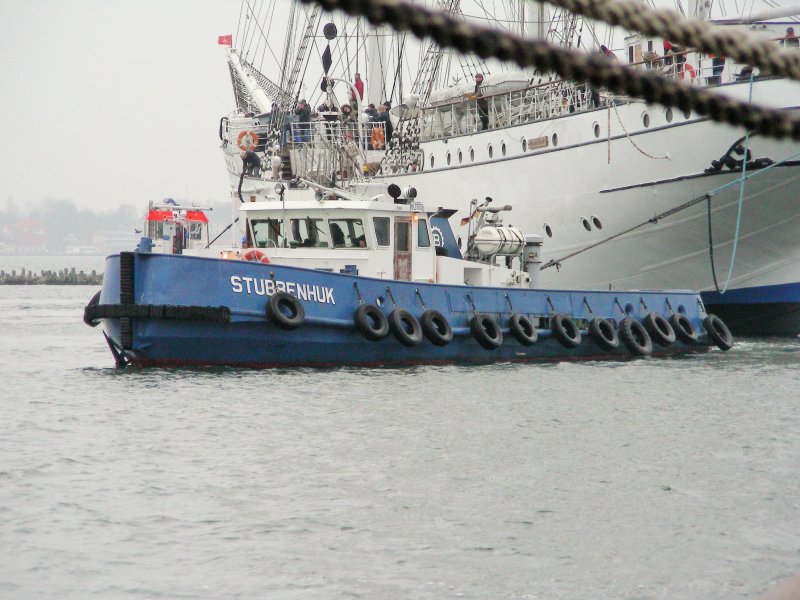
(687,67)
(256,256)
(249,144)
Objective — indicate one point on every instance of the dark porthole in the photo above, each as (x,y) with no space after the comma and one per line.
(548,230)
(491,152)
(431,161)
(646,120)
(669,115)
(596,130)
(555,140)
(460,157)
(503,148)
(686,114)
(586,225)
(448,159)
(471,155)
(597,222)
(524,145)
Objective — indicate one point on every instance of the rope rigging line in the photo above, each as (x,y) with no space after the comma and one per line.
(593,69)
(630,139)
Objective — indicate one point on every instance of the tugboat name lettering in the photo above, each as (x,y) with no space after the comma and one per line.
(267,287)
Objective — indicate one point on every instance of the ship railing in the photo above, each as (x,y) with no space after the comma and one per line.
(326,151)
(534,103)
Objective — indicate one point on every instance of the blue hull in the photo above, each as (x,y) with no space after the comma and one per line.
(246,337)
(765,310)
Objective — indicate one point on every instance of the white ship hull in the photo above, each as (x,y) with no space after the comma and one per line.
(605,171)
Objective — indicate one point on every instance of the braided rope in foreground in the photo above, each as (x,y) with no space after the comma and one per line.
(595,69)
(739,45)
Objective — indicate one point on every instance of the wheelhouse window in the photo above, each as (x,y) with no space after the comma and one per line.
(402,232)
(423,239)
(347,233)
(382,227)
(267,233)
(308,233)
(195,231)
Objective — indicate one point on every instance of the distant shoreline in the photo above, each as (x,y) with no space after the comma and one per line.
(69,276)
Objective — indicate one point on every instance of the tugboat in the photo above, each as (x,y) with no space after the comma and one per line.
(340,279)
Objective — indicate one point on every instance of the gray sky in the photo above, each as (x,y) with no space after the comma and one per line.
(108,103)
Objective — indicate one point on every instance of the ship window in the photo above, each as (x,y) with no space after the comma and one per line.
(491,152)
(596,221)
(548,230)
(649,45)
(646,120)
(524,144)
(503,148)
(669,115)
(423,239)
(448,159)
(459,157)
(346,233)
(267,233)
(308,233)
(555,140)
(471,155)
(402,231)
(382,229)
(687,113)
(597,130)
(431,161)
(586,225)
(195,231)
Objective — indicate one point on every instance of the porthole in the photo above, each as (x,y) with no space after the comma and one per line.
(687,113)
(597,222)
(460,157)
(431,161)
(471,155)
(548,230)
(597,130)
(380,301)
(586,225)
(646,120)
(448,159)
(555,140)
(491,152)
(524,145)
(669,115)
(503,148)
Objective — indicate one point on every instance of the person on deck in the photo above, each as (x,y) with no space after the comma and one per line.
(359,85)
(791,40)
(251,163)
(383,117)
(482,102)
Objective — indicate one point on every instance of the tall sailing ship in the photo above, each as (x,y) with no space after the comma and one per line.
(626,195)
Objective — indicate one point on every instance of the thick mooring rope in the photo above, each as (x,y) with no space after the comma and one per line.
(594,68)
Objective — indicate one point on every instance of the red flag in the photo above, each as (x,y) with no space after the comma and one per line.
(225,40)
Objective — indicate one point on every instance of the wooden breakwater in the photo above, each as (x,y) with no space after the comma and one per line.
(61,277)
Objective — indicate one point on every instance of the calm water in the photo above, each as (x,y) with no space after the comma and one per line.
(647,479)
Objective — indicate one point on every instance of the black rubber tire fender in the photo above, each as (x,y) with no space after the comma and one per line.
(405,327)
(436,328)
(88,311)
(285,310)
(683,328)
(371,322)
(659,329)
(523,330)
(565,331)
(635,337)
(718,332)
(486,330)
(602,333)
